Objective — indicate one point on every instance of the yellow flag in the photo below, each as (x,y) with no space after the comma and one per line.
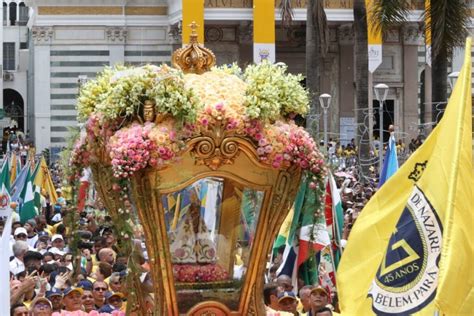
(13,169)
(193,11)
(411,248)
(44,181)
(263,30)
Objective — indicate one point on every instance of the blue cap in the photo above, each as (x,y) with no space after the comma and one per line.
(85,285)
(285,295)
(43,234)
(53,292)
(71,289)
(110,294)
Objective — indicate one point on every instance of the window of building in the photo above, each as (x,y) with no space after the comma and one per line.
(23,19)
(9,56)
(12,13)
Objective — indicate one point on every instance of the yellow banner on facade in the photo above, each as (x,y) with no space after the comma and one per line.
(263,30)
(428,32)
(374,38)
(193,10)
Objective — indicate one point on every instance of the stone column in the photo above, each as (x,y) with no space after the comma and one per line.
(412,38)
(346,89)
(42,95)
(8,13)
(245,38)
(17,13)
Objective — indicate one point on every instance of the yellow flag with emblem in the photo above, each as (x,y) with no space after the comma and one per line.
(411,249)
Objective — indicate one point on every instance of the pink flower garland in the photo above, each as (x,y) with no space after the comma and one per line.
(284,144)
(131,150)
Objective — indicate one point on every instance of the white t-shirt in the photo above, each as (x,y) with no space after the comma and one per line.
(16,266)
(32,241)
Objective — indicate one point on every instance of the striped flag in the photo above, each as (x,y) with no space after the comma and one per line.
(308,235)
(334,217)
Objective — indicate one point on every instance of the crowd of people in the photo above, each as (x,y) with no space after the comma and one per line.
(48,278)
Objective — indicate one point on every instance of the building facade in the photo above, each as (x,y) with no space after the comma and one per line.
(71,40)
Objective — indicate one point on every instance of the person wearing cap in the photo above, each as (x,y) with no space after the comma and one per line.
(270,298)
(113,302)
(57,217)
(72,299)
(41,306)
(287,302)
(58,254)
(57,241)
(319,299)
(55,296)
(30,227)
(43,242)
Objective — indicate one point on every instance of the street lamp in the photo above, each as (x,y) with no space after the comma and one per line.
(325,101)
(452,77)
(381,91)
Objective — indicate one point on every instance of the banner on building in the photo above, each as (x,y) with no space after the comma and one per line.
(264,30)
(428,32)
(193,11)
(374,39)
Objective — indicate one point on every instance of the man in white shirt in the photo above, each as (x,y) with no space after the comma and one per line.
(30,226)
(20,247)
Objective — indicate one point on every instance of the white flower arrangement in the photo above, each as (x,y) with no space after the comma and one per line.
(271,92)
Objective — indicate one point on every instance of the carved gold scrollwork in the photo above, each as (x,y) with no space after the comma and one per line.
(214,153)
(205,148)
(229,148)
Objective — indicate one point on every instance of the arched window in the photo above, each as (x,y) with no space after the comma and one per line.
(23,14)
(13,6)
(5,8)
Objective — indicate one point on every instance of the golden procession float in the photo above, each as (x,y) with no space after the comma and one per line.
(211,160)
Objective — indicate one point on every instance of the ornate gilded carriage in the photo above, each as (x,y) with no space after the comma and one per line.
(210,214)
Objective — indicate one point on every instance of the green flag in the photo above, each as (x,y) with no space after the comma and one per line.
(5,176)
(28,209)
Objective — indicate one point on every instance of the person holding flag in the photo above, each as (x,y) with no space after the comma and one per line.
(411,247)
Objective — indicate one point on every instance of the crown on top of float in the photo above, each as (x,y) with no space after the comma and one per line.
(194,57)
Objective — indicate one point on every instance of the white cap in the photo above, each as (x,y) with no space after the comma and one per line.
(20,230)
(56,251)
(56,236)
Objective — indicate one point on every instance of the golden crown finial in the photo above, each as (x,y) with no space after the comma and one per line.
(194,57)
